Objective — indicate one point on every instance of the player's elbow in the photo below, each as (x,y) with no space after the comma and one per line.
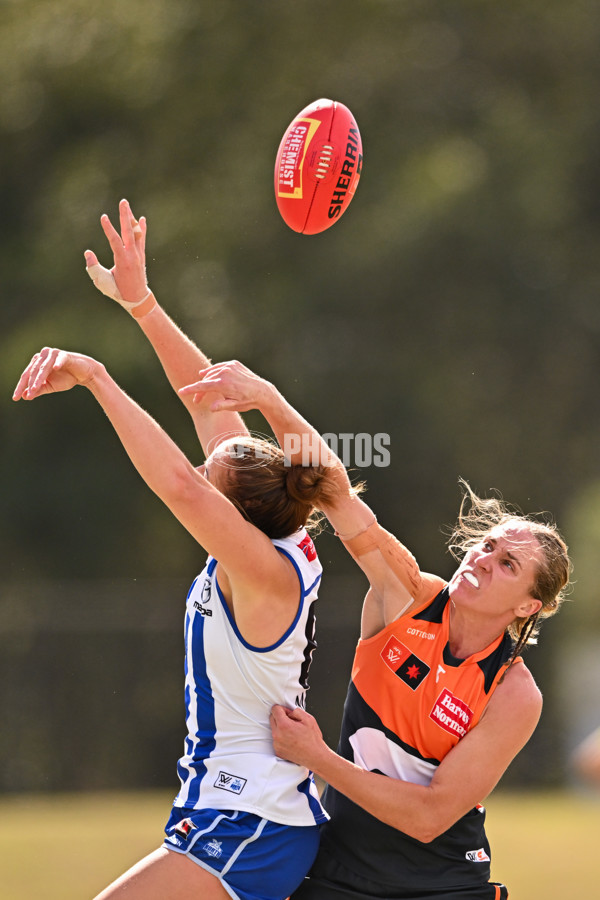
(181,486)
(429,823)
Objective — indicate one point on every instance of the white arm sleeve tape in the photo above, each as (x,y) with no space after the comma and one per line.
(104,280)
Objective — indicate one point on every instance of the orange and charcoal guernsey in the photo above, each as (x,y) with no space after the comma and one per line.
(410,701)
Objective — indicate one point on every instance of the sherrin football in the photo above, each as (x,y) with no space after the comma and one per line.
(318,166)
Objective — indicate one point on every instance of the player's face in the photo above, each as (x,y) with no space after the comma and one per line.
(498,574)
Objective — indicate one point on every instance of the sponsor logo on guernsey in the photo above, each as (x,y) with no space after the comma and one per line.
(204,598)
(184,828)
(308,548)
(213,848)
(451,714)
(233,783)
(477,855)
(408,667)
(426,635)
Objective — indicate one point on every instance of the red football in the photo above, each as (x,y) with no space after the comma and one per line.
(318,165)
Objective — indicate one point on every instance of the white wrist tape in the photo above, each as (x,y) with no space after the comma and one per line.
(104,280)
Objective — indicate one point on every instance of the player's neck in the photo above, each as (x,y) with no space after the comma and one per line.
(469,633)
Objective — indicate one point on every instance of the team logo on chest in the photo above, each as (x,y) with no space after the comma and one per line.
(403,663)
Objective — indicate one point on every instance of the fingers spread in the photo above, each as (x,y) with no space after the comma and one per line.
(114,239)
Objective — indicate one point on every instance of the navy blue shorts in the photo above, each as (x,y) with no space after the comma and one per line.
(253,858)
(330,880)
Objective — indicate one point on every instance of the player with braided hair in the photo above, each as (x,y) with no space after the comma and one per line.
(440,700)
(477,516)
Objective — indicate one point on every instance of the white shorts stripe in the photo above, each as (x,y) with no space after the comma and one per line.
(243,845)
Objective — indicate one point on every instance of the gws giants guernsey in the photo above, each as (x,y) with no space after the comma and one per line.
(230,687)
(409,703)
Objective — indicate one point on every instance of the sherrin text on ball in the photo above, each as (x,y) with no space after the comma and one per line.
(318,166)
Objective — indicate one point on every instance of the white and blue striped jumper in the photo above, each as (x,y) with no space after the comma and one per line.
(230,687)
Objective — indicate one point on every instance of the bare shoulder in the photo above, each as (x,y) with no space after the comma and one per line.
(517,698)
(520,682)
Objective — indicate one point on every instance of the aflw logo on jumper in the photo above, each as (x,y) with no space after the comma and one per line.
(451,714)
(404,664)
(232,783)
(477,855)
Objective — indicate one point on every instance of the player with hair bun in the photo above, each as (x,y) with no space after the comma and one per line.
(244,824)
(277,497)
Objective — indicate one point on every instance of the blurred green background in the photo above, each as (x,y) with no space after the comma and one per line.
(453,307)
(82,842)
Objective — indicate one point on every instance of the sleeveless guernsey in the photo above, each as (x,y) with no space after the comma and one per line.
(230,687)
(408,704)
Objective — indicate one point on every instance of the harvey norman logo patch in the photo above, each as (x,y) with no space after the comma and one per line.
(451,714)
(404,664)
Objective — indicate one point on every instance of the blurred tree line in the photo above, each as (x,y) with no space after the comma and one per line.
(454,307)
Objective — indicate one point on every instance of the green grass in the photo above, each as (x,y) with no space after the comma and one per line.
(68,847)
(545,846)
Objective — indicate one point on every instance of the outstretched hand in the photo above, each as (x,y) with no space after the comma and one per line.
(126,281)
(297,736)
(240,389)
(52,370)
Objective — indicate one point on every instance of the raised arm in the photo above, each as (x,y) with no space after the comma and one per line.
(245,553)
(180,358)
(394,576)
(238,388)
